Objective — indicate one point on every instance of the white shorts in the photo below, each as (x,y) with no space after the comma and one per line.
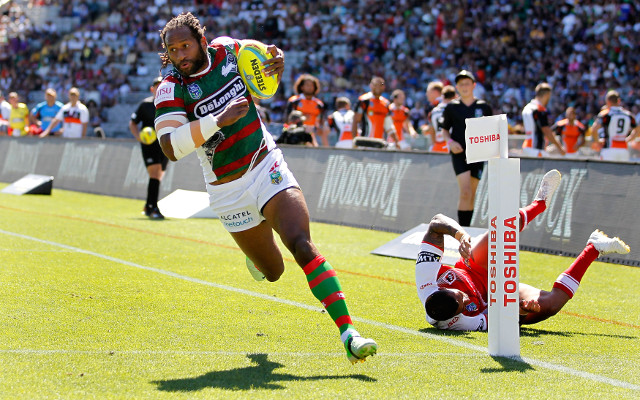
(239,203)
(614,154)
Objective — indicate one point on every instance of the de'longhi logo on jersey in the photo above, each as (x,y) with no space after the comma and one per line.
(194,91)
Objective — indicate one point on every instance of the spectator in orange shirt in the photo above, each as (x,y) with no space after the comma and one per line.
(399,122)
(306,88)
(571,132)
(371,111)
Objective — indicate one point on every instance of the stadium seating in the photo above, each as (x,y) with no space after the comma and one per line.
(410,43)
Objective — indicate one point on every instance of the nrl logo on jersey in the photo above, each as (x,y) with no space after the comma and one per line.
(231,66)
(194,91)
(276,178)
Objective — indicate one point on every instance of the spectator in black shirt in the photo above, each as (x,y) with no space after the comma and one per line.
(453,127)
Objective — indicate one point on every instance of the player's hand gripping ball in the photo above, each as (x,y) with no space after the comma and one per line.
(147,135)
(250,59)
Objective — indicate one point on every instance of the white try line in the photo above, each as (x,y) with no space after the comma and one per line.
(453,342)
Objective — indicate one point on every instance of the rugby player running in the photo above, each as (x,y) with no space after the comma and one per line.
(203,105)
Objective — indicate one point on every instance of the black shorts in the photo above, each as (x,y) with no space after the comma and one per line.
(460,165)
(152,154)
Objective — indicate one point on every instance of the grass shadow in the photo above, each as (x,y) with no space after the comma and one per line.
(445,332)
(508,364)
(533,332)
(259,376)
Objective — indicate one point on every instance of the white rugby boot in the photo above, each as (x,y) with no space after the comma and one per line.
(359,348)
(550,182)
(606,245)
(255,272)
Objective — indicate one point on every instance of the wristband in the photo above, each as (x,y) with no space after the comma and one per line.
(461,234)
(182,139)
(208,126)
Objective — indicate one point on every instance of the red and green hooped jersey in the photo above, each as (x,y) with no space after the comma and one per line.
(231,149)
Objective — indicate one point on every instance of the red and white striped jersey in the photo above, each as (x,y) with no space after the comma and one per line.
(431,275)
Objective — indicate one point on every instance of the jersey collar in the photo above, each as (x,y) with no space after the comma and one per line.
(204,71)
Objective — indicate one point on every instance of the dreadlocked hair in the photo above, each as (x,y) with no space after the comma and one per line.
(185,19)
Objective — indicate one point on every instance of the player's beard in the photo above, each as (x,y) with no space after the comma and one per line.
(196,64)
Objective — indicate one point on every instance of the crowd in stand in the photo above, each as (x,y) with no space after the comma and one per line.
(582,48)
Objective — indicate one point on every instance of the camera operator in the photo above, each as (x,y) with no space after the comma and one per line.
(295,131)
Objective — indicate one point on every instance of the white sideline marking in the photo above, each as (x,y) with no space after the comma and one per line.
(44,352)
(454,342)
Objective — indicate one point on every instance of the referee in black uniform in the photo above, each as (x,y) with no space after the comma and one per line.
(453,127)
(154,158)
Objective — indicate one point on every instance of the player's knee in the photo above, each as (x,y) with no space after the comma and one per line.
(549,310)
(299,245)
(273,274)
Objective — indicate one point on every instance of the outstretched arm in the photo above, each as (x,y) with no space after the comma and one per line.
(441,225)
(179,137)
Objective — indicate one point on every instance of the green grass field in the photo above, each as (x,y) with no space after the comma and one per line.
(99,302)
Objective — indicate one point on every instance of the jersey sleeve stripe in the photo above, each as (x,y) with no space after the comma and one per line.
(180,116)
(241,134)
(167,124)
(431,246)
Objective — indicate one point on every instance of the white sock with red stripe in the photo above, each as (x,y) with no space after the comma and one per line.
(569,280)
(528,213)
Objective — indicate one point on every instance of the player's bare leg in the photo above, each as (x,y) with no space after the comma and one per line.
(550,303)
(287,213)
(259,245)
(568,282)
